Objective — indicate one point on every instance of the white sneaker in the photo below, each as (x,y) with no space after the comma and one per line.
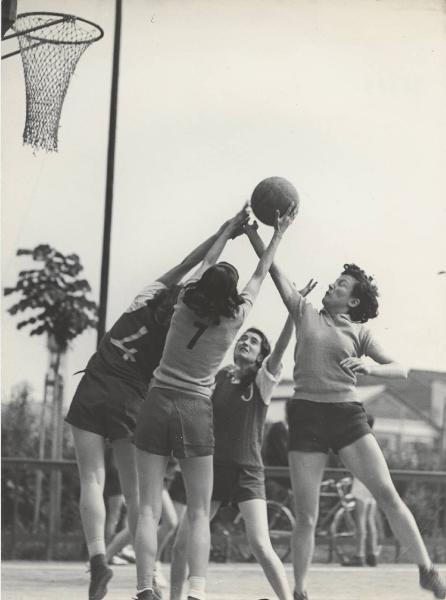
(117,560)
(128,554)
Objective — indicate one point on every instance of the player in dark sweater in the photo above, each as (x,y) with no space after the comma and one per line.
(107,402)
(240,401)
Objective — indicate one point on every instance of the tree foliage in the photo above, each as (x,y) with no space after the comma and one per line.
(55,294)
(20,423)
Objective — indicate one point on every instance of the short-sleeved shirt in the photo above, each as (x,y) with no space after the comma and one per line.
(132,348)
(321,343)
(239,416)
(195,348)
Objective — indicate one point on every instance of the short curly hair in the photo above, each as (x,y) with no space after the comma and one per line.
(366,291)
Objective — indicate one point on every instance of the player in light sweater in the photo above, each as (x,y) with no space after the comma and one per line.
(324,412)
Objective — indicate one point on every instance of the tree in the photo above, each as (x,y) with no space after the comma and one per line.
(56,291)
(61,310)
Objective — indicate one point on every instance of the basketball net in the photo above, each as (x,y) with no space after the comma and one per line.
(49,54)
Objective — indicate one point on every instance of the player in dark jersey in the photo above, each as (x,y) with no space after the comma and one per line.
(240,401)
(108,399)
(325,412)
(177,414)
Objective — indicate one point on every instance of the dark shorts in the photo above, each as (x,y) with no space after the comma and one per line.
(172,421)
(232,484)
(319,426)
(106,405)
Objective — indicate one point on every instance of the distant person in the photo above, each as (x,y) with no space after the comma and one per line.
(324,412)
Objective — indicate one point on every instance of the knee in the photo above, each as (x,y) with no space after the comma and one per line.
(388,499)
(261,548)
(148,511)
(306,519)
(197,513)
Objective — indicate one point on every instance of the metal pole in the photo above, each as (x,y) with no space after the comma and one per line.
(110,173)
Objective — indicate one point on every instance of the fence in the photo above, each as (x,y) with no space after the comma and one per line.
(55,533)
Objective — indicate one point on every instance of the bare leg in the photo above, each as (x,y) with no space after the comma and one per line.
(372,531)
(178,568)
(151,468)
(366,461)
(125,455)
(114,507)
(361,529)
(120,541)
(90,460)
(197,474)
(256,524)
(306,471)
(169,522)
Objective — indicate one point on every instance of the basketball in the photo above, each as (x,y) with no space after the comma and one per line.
(270,195)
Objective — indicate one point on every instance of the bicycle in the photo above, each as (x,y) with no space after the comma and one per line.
(335,522)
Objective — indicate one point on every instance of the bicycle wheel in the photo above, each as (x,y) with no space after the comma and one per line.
(342,532)
(280,524)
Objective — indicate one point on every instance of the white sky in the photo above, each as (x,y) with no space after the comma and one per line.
(344,97)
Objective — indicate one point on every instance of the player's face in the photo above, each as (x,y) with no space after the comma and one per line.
(248,348)
(339,297)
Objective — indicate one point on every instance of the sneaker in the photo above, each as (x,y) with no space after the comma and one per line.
(371,560)
(99,577)
(116,560)
(430,580)
(352,561)
(300,595)
(157,593)
(128,554)
(145,595)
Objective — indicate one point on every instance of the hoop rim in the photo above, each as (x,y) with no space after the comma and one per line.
(100,31)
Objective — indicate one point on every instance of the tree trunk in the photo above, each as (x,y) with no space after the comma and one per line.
(47,397)
(56,454)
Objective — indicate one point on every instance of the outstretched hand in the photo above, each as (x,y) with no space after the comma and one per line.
(282,223)
(308,288)
(235,226)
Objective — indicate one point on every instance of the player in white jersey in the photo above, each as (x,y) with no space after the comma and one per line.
(177,415)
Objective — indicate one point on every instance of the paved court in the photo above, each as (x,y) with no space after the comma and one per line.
(68,581)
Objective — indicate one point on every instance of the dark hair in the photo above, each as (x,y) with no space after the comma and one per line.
(163,303)
(366,291)
(265,350)
(215,294)
(370,420)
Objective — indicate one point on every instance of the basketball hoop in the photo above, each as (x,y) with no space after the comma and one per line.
(51,45)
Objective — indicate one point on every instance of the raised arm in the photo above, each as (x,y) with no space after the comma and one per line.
(284,286)
(208,250)
(275,358)
(280,226)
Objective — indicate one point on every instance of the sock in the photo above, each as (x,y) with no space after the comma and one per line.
(96,547)
(196,588)
(98,561)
